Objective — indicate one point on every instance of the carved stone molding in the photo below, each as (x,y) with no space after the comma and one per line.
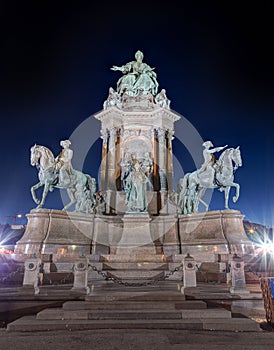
(104,135)
(161,135)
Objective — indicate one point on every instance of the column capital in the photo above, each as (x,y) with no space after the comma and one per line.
(161,134)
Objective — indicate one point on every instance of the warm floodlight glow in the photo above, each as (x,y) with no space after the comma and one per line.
(265,247)
(4,250)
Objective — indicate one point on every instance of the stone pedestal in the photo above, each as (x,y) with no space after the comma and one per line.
(56,232)
(189,269)
(238,285)
(207,235)
(31,275)
(164,231)
(136,236)
(80,283)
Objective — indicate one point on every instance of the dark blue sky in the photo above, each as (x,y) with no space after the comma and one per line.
(215,61)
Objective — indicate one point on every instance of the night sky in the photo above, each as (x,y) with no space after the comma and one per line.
(215,62)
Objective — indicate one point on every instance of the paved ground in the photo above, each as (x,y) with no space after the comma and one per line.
(136,339)
(133,339)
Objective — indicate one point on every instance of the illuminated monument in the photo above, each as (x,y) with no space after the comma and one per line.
(136,217)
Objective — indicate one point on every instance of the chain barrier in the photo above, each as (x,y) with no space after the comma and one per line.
(63,280)
(135,284)
(12,274)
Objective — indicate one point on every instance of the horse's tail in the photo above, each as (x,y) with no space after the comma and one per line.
(182,192)
(183,184)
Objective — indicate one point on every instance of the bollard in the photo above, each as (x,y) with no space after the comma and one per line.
(238,285)
(80,283)
(189,272)
(31,274)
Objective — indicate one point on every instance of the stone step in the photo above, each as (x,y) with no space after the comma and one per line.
(127,258)
(61,314)
(135,275)
(134,296)
(135,266)
(136,305)
(130,314)
(31,324)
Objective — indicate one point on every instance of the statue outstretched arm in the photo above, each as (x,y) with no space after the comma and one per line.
(117,68)
(221,148)
(217,149)
(125,69)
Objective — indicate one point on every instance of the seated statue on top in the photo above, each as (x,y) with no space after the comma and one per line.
(138,78)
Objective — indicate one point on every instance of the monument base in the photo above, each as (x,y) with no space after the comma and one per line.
(136,236)
(56,232)
(125,245)
(214,233)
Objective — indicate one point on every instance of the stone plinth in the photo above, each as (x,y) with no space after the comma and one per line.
(238,285)
(189,277)
(189,272)
(164,229)
(80,283)
(56,232)
(136,237)
(205,235)
(108,232)
(31,275)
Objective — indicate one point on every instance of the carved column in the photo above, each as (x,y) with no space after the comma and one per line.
(162,158)
(103,172)
(111,164)
(118,184)
(156,181)
(161,133)
(170,176)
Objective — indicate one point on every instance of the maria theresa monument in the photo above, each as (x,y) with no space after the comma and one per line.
(136,215)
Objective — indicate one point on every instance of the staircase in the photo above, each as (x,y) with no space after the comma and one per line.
(116,307)
(138,269)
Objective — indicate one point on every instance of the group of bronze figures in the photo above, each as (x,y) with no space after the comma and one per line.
(136,179)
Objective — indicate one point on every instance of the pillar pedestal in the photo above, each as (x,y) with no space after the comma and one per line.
(136,237)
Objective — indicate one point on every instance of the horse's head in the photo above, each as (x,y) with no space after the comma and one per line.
(236,156)
(228,156)
(41,155)
(35,154)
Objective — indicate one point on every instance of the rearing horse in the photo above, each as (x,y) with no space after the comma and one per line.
(80,183)
(193,186)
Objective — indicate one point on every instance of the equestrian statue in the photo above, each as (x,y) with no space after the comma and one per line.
(59,173)
(212,174)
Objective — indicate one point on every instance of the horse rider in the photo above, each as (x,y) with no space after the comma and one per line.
(209,158)
(63,163)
